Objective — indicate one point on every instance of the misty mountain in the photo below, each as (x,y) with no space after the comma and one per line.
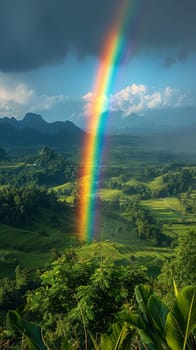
(152,121)
(34,130)
(3,155)
(36,122)
(172,129)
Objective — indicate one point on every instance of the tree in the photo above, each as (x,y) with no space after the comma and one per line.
(181,266)
(19,205)
(84,293)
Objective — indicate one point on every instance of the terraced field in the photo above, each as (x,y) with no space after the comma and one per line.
(171,212)
(168,208)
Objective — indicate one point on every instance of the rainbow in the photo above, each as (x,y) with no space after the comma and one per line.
(111,55)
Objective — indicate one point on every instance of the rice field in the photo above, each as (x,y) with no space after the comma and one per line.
(109,194)
(168,208)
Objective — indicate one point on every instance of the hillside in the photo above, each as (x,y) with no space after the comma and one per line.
(31,247)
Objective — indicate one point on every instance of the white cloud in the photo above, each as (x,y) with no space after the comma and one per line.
(140,98)
(13,96)
(136,98)
(19,94)
(16,99)
(154,100)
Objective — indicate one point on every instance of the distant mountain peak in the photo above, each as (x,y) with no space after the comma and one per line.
(33,117)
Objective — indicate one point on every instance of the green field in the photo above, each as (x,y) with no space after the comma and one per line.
(32,247)
(165,208)
(156,184)
(64,192)
(108,194)
(133,182)
(11,165)
(68,186)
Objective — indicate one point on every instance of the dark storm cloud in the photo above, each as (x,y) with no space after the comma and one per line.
(169,27)
(38,32)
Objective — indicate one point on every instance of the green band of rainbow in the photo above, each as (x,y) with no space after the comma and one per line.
(112,53)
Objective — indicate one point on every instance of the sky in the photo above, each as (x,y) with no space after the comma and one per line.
(50,50)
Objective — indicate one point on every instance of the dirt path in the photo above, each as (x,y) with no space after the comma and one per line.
(169,206)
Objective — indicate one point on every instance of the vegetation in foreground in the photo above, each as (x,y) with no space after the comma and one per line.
(84,293)
(147,211)
(156,326)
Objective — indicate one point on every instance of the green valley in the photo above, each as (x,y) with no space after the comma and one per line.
(146,206)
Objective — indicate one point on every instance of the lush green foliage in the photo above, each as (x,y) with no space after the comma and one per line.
(180,267)
(32,331)
(154,327)
(147,227)
(79,292)
(47,168)
(12,292)
(160,327)
(177,182)
(18,206)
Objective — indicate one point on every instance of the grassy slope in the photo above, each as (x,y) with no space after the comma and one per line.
(150,257)
(109,194)
(64,187)
(31,247)
(157,183)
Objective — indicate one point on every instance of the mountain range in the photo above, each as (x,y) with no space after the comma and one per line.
(153,120)
(34,130)
(172,130)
